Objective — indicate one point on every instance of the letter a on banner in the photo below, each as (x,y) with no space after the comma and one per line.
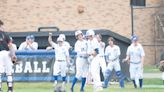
(28,67)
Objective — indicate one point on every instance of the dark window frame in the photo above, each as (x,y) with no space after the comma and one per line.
(138,2)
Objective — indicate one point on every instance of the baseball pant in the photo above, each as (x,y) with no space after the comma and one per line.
(81,67)
(60,68)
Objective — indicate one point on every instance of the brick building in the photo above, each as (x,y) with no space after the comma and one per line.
(115,15)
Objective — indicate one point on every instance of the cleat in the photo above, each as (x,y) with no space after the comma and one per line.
(10,91)
(104,86)
(63,85)
(55,84)
(71,90)
(81,90)
(98,89)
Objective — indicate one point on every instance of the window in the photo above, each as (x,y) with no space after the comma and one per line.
(138,2)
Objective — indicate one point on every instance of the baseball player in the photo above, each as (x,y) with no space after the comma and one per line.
(92,43)
(68,46)
(7,55)
(61,59)
(162,65)
(135,56)
(112,53)
(95,68)
(29,44)
(81,61)
(101,47)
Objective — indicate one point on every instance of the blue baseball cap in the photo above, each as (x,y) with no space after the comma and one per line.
(28,37)
(134,38)
(32,37)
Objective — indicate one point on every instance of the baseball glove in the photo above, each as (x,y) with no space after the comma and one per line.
(14,60)
(161,66)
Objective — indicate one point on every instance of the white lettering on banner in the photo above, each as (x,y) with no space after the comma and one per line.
(18,68)
(28,67)
(45,69)
(36,69)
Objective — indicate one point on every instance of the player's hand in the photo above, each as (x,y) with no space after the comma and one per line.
(90,54)
(49,48)
(124,60)
(50,34)
(14,59)
(102,45)
(28,42)
(10,45)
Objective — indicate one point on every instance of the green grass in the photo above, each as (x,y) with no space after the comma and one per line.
(151,69)
(47,87)
(154,81)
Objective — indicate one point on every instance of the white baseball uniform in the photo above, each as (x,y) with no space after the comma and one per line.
(112,54)
(14,46)
(91,45)
(101,47)
(95,68)
(5,62)
(81,59)
(24,46)
(135,53)
(61,53)
(66,44)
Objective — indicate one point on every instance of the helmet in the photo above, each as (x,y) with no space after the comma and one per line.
(90,32)
(11,38)
(78,32)
(134,38)
(62,36)
(60,39)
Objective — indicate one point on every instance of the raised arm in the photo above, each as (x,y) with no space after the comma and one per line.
(53,44)
(50,39)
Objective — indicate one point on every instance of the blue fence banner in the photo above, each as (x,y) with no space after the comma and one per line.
(36,65)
